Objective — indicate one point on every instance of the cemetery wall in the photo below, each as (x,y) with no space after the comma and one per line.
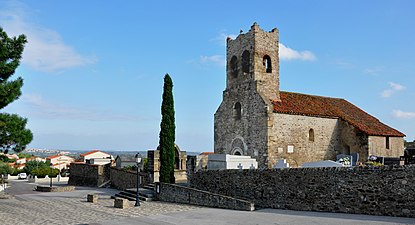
(387,190)
(186,195)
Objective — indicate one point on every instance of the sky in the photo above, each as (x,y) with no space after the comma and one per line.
(93,70)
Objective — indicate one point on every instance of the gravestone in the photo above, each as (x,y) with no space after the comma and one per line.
(281,164)
(223,161)
(325,163)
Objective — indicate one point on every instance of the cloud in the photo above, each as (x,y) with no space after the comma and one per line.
(396,87)
(372,71)
(40,108)
(45,51)
(393,88)
(403,115)
(287,53)
(215,59)
(387,93)
(222,36)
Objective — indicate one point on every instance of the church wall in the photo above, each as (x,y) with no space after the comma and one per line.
(293,130)
(352,140)
(377,146)
(248,135)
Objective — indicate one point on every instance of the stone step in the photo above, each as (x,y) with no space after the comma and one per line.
(130,194)
(142,191)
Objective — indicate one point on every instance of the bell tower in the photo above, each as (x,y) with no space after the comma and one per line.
(244,117)
(253,57)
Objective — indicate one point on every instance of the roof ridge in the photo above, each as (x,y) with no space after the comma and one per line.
(312,95)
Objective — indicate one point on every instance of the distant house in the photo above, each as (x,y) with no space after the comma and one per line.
(60,161)
(96,157)
(17,166)
(122,161)
(21,161)
(36,158)
(13,156)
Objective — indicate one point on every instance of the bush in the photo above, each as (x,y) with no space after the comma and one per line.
(33,164)
(42,172)
(6,169)
(4,158)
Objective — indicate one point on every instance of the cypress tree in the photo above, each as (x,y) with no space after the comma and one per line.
(13,134)
(167,133)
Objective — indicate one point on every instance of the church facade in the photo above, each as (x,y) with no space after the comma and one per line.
(256,119)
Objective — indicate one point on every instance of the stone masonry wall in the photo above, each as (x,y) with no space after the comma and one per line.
(249,133)
(122,180)
(387,190)
(377,146)
(186,195)
(88,175)
(294,130)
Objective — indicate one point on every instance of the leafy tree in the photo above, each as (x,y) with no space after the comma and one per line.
(6,169)
(13,134)
(42,172)
(167,133)
(33,165)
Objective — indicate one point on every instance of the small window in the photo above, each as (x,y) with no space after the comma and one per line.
(387,143)
(267,63)
(245,61)
(234,66)
(290,148)
(311,135)
(237,111)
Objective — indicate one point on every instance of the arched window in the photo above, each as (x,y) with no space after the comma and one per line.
(245,61)
(237,153)
(237,111)
(234,66)
(266,61)
(311,135)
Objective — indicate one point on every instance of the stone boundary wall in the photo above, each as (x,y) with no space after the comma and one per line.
(186,195)
(123,180)
(55,189)
(386,190)
(82,174)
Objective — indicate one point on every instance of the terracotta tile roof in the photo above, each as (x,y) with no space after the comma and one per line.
(206,153)
(311,105)
(89,153)
(53,156)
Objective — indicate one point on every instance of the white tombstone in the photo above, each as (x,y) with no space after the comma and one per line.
(325,163)
(223,161)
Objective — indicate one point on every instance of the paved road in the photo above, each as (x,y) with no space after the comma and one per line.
(18,187)
(29,207)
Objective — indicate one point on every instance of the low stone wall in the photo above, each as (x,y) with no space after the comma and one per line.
(122,180)
(186,195)
(88,175)
(387,190)
(55,189)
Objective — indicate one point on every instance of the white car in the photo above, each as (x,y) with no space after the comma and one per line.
(22,176)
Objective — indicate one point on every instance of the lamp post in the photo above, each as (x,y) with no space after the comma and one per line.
(138,161)
(51,169)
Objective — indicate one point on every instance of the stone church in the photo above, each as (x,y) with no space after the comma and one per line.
(256,119)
